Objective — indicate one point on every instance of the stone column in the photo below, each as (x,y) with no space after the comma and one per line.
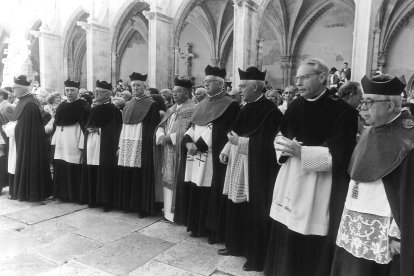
(363,44)
(176,54)
(260,53)
(288,69)
(159,53)
(51,60)
(98,52)
(245,33)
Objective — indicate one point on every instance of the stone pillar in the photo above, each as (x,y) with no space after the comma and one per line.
(363,44)
(245,31)
(288,69)
(51,60)
(260,53)
(98,52)
(176,54)
(159,53)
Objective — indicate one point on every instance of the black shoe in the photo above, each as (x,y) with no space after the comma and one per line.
(193,235)
(107,209)
(223,252)
(142,215)
(246,267)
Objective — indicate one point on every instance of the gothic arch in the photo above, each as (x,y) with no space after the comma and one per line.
(410,83)
(129,14)
(183,11)
(72,64)
(34,47)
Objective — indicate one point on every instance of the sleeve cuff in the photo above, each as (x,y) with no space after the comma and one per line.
(226,149)
(173,137)
(316,159)
(160,132)
(394,231)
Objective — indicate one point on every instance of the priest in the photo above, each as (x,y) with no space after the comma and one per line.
(103,127)
(168,151)
(6,111)
(140,117)
(68,138)
(251,172)
(314,146)
(376,231)
(28,163)
(204,141)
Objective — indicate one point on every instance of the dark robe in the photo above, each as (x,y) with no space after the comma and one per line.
(198,207)
(332,123)
(67,176)
(136,186)
(248,223)
(32,180)
(3,160)
(99,181)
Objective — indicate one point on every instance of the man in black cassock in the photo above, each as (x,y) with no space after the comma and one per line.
(251,172)
(68,138)
(136,189)
(376,232)
(199,198)
(315,143)
(28,164)
(6,111)
(103,127)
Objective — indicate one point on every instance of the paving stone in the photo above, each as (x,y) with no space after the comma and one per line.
(44,212)
(194,257)
(108,230)
(25,264)
(156,268)
(82,218)
(234,266)
(165,231)
(126,254)
(47,231)
(10,224)
(66,248)
(14,243)
(8,206)
(74,268)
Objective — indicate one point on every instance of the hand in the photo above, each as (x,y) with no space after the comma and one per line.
(233,138)
(92,129)
(288,147)
(224,159)
(192,150)
(395,247)
(160,140)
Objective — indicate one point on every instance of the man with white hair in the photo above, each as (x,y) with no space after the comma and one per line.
(200,94)
(316,139)
(376,232)
(28,163)
(68,140)
(140,118)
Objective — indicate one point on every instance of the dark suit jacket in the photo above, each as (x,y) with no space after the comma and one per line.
(6,111)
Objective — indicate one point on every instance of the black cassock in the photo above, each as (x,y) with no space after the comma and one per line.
(199,207)
(136,186)
(3,161)
(66,175)
(99,181)
(248,223)
(32,180)
(329,122)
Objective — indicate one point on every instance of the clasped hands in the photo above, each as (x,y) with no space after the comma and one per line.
(292,148)
(164,139)
(234,140)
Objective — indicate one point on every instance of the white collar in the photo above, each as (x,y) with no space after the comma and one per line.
(318,97)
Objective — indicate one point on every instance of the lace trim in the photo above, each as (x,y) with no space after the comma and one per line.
(130,153)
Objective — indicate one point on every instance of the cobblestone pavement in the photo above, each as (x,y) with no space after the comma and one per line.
(55,238)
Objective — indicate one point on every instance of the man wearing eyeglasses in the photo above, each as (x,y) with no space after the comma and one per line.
(288,96)
(376,231)
(316,139)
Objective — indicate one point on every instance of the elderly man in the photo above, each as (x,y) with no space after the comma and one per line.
(135,160)
(6,111)
(200,94)
(168,137)
(251,172)
(103,127)
(204,141)
(167,94)
(28,163)
(288,96)
(315,143)
(68,140)
(377,221)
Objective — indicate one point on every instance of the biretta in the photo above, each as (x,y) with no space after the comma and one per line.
(103,85)
(21,80)
(252,73)
(69,83)
(183,83)
(393,87)
(215,71)
(137,76)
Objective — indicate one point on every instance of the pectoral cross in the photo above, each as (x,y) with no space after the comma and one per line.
(200,161)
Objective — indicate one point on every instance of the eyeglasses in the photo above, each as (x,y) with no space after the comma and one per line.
(304,76)
(369,102)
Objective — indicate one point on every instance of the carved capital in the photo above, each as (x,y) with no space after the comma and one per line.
(36,33)
(83,25)
(148,15)
(247,3)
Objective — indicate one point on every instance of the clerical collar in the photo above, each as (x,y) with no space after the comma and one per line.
(215,94)
(395,118)
(140,98)
(317,97)
(256,99)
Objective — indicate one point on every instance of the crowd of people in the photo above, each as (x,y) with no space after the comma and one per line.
(312,180)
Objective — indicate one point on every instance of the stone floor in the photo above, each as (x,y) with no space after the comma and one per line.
(56,238)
